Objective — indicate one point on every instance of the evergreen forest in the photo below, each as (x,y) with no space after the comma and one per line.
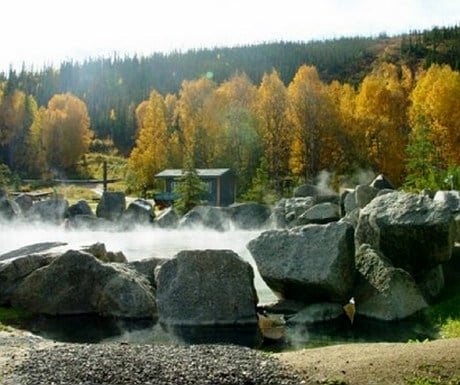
(272,112)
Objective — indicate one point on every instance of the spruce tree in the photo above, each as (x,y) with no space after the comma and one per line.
(190,189)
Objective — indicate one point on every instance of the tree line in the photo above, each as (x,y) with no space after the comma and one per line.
(295,131)
(396,118)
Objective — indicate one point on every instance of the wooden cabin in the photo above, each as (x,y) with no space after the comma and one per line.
(220,186)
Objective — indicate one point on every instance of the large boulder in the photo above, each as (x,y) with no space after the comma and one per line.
(25,202)
(384,292)
(78,283)
(80,208)
(31,249)
(287,211)
(13,272)
(51,210)
(411,230)
(111,206)
(212,217)
(9,209)
(451,198)
(100,252)
(147,267)
(206,287)
(313,263)
(321,213)
(167,218)
(248,216)
(139,212)
(364,194)
(90,222)
(305,190)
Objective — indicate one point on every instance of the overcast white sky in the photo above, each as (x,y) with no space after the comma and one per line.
(43,32)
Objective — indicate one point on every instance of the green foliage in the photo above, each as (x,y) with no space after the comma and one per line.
(446,312)
(8,315)
(422,163)
(5,175)
(190,189)
(91,166)
(261,190)
(335,381)
(431,381)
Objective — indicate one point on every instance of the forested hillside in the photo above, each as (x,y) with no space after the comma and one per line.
(285,109)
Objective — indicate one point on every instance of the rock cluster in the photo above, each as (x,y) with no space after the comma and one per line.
(387,251)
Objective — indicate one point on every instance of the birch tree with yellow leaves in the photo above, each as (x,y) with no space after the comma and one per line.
(436,107)
(240,144)
(381,114)
(196,132)
(274,132)
(150,154)
(311,115)
(66,131)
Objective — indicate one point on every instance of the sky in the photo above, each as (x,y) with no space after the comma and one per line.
(39,33)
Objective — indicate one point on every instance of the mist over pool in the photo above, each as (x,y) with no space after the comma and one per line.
(138,243)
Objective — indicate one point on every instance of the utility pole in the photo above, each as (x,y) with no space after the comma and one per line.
(104,175)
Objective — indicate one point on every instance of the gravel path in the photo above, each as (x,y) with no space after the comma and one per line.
(148,364)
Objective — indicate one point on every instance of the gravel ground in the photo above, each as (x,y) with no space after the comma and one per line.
(121,363)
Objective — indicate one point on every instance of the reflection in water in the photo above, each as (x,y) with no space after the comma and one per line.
(94,329)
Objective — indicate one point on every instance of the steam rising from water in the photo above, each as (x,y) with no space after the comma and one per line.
(138,243)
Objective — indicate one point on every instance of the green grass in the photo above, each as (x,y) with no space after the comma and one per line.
(431,381)
(11,315)
(445,314)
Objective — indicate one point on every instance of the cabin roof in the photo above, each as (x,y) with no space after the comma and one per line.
(203,172)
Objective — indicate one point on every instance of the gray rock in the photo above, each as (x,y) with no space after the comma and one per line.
(80,208)
(100,252)
(51,210)
(317,312)
(9,210)
(140,212)
(12,273)
(321,214)
(30,249)
(126,294)
(349,201)
(167,218)
(431,283)
(206,287)
(416,233)
(212,217)
(381,182)
(147,267)
(305,190)
(284,306)
(450,198)
(25,202)
(314,263)
(90,222)
(287,211)
(248,216)
(111,206)
(364,194)
(383,291)
(78,283)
